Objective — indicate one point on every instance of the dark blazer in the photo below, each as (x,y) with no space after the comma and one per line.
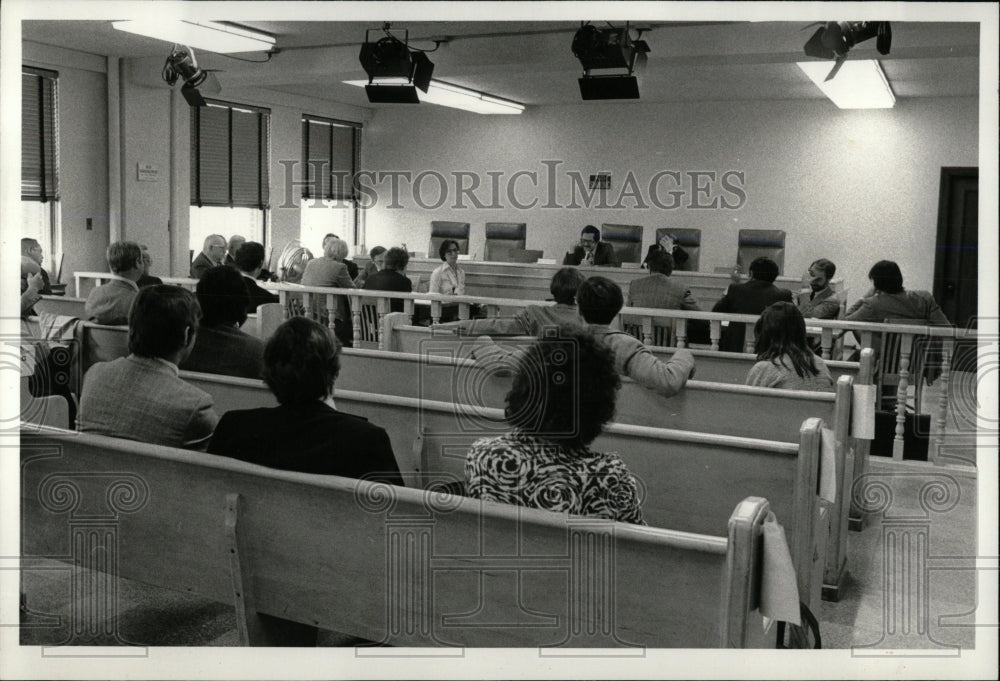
(390,280)
(201,264)
(148,280)
(258,296)
(227,351)
(749,298)
(604,255)
(308,438)
(352,268)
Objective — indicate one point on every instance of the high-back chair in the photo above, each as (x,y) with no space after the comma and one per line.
(890,351)
(441,230)
(625,239)
(502,238)
(687,239)
(758,243)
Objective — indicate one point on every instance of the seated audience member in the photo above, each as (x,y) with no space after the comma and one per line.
(391,276)
(236,242)
(141,397)
(109,303)
(330,270)
(147,262)
(749,298)
(820,301)
(784,360)
(545,461)
(375,263)
(658,289)
(305,433)
(213,254)
(600,300)
(887,299)
(250,262)
(352,267)
(448,279)
(668,246)
(32,285)
(30,248)
(221,347)
(592,251)
(535,319)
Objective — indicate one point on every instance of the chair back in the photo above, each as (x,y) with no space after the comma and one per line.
(369,327)
(522,255)
(891,347)
(625,239)
(502,238)
(757,243)
(690,241)
(441,230)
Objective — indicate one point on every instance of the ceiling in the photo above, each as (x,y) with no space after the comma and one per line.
(531,61)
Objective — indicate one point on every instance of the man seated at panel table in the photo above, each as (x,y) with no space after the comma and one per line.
(391,276)
(213,254)
(749,298)
(109,303)
(600,301)
(533,320)
(236,242)
(376,261)
(306,433)
(592,251)
(667,245)
(141,397)
(250,262)
(820,301)
(221,347)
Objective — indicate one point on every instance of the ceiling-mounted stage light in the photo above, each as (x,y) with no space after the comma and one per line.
(609,48)
(392,59)
(181,64)
(834,39)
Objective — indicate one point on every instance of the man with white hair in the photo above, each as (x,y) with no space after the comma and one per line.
(213,254)
(235,242)
(109,303)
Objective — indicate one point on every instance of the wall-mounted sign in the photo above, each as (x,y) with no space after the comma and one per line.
(147,172)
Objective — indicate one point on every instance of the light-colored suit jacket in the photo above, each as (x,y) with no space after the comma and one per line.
(109,303)
(142,398)
(824,305)
(659,290)
(328,272)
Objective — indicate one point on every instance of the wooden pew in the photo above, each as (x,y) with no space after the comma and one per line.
(488,574)
(682,472)
(61,305)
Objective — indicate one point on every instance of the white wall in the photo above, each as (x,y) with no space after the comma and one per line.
(852,186)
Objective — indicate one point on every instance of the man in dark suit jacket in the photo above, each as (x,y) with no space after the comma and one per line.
(750,298)
(392,277)
(250,261)
(306,433)
(147,279)
(213,254)
(591,251)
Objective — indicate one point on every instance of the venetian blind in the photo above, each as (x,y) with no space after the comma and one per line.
(229,155)
(39,158)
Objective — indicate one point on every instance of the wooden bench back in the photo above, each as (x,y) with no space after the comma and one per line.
(335,553)
(62,305)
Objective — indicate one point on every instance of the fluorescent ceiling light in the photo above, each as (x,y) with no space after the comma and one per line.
(206,35)
(860,84)
(457,97)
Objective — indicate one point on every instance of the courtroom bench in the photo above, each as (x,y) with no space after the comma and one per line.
(292,552)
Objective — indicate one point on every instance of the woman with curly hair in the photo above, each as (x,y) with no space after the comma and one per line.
(562,395)
(784,360)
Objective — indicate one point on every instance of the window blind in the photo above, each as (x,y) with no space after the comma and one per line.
(39,156)
(330,153)
(229,155)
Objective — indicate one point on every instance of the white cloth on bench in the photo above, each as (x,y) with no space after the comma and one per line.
(779,591)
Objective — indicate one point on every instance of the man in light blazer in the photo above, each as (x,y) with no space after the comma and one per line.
(141,397)
(820,301)
(659,289)
(109,303)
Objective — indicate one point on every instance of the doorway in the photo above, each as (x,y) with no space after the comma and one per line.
(956,261)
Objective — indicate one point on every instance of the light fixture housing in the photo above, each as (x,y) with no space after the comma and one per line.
(182,64)
(213,36)
(394,70)
(602,49)
(834,40)
(445,94)
(861,84)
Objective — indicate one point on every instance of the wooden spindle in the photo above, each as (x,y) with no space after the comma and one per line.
(866,339)
(307,306)
(331,311)
(408,308)
(435,312)
(714,333)
(905,350)
(355,305)
(647,330)
(285,302)
(680,330)
(947,348)
(749,339)
(826,342)
(463,311)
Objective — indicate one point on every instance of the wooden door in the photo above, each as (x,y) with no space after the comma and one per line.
(956,266)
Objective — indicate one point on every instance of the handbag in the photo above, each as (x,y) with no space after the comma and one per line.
(798,635)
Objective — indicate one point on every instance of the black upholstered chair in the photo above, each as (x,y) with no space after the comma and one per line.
(757,243)
(687,239)
(625,239)
(502,238)
(441,230)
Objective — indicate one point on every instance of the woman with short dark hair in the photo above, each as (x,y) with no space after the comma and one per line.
(306,433)
(784,359)
(563,393)
(533,320)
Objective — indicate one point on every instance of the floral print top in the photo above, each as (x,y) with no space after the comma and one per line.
(525,470)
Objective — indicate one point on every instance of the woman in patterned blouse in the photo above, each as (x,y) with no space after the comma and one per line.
(563,393)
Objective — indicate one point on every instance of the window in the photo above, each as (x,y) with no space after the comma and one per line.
(330,159)
(39,158)
(229,171)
